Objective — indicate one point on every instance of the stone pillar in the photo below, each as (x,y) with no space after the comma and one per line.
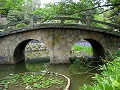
(31,21)
(88,22)
(59,57)
(59,53)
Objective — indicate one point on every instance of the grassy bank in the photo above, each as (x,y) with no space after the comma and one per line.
(83,49)
(109,79)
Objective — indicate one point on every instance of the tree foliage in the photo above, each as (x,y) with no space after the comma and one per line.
(14,16)
(6,5)
(69,7)
(108,10)
(113,15)
(20,5)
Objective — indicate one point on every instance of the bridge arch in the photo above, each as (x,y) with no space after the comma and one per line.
(19,52)
(98,50)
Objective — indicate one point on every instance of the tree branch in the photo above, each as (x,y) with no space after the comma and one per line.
(108,5)
(104,10)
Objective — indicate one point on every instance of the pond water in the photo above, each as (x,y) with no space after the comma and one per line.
(77,80)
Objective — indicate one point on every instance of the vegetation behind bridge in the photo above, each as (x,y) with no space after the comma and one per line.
(99,9)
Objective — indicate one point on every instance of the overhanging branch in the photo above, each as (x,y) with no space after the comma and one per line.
(107,5)
(104,10)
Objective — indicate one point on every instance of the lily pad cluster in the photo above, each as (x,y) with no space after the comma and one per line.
(33,81)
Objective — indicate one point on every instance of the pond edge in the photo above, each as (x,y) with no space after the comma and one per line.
(68,80)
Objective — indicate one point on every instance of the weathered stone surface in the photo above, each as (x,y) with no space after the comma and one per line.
(63,41)
(69,32)
(70,39)
(66,36)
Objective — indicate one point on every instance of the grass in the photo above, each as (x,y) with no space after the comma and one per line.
(83,49)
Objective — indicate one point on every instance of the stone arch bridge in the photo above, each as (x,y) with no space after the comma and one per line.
(58,37)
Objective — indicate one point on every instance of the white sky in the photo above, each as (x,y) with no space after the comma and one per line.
(48,1)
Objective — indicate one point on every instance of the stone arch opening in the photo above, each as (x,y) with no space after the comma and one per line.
(98,50)
(88,49)
(23,48)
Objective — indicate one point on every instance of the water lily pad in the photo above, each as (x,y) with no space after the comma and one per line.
(31,81)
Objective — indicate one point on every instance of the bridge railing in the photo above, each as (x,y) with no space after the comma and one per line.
(88,23)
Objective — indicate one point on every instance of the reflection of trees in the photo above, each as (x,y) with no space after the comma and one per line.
(20,68)
(6,70)
(36,66)
(36,54)
(63,69)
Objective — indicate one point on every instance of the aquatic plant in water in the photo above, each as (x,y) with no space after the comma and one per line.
(33,80)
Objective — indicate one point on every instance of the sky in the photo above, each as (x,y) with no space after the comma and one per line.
(48,1)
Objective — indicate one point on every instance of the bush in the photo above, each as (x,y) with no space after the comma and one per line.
(117,53)
(109,78)
(2,30)
(20,25)
(14,16)
(80,65)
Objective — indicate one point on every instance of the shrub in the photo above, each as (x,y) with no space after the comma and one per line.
(20,25)
(80,65)
(2,30)
(14,16)
(109,79)
(117,53)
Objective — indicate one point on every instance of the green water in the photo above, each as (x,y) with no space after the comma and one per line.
(77,80)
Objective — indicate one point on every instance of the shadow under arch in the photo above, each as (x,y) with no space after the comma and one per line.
(98,50)
(19,55)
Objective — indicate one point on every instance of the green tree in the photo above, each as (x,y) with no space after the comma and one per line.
(110,11)
(113,15)
(19,5)
(6,5)
(14,16)
(72,8)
